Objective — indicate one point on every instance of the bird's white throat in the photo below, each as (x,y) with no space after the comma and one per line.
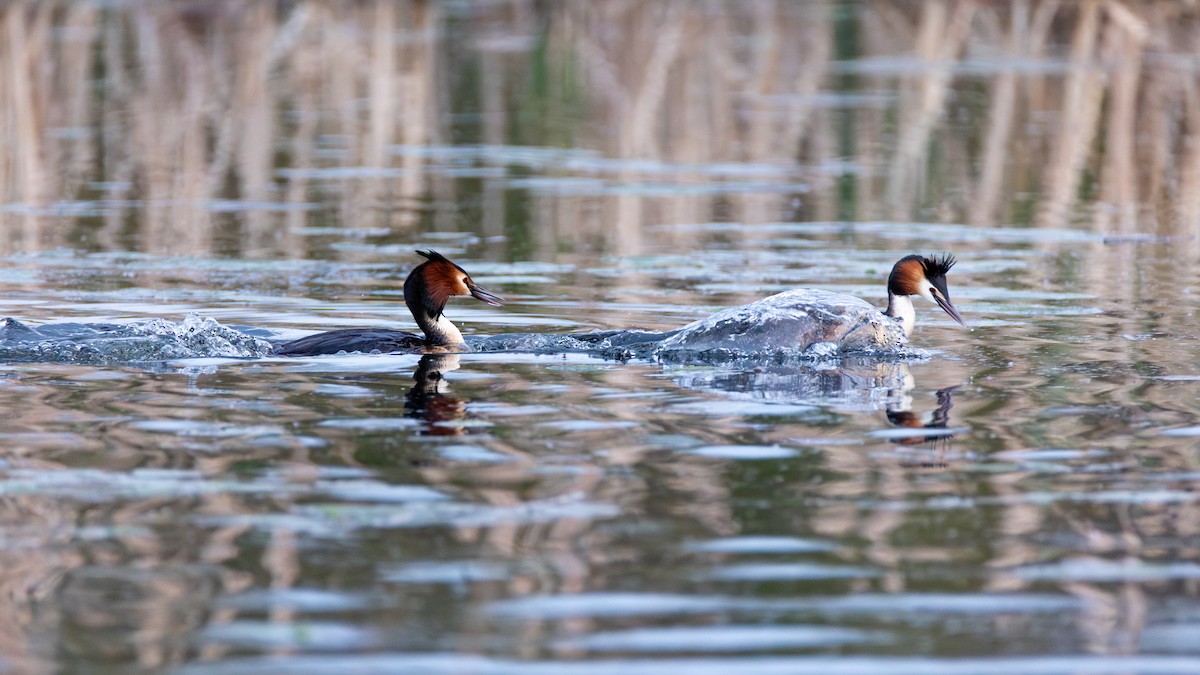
(900,307)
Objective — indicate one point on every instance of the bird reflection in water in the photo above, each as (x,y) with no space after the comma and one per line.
(938,434)
(429,400)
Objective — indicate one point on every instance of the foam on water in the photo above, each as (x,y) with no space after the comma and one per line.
(151,340)
(682,348)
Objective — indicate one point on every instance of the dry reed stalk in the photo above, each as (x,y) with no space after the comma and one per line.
(9,171)
(784,129)
(882,29)
(381,90)
(942,35)
(762,130)
(1001,113)
(343,56)
(421,118)
(1187,209)
(254,110)
(764,75)
(113,161)
(805,123)
(637,138)
(304,71)
(69,87)
(1157,129)
(167,127)
(1029,143)
(1041,32)
(1079,118)
(1124,42)
(495,126)
(646,104)
(28,175)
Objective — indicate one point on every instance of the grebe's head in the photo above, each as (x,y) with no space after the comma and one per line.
(926,277)
(437,280)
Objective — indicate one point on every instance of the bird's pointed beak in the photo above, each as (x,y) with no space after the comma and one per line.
(944,303)
(488,297)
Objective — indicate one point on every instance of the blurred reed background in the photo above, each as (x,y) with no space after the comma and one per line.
(228,128)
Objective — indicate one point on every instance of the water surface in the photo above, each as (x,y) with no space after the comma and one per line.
(1021,500)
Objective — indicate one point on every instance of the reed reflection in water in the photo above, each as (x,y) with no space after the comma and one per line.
(231,128)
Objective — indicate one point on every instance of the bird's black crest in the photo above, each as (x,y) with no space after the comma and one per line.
(937,266)
(433,256)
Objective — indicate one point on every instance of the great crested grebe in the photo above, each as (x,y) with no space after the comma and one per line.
(426,291)
(799,319)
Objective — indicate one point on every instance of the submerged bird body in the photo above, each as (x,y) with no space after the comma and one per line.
(794,319)
(426,290)
(799,319)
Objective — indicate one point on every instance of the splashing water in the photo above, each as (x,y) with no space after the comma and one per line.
(205,337)
(152,340)
(626,345)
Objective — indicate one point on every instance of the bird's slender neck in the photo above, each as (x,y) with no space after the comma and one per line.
(900,307)
(439,331)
